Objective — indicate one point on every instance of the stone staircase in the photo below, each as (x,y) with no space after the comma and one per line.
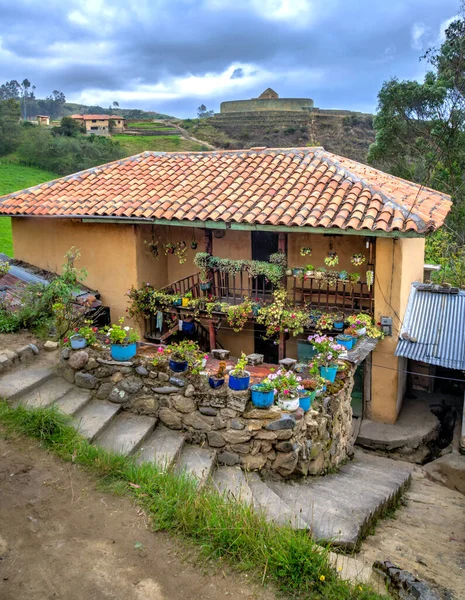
(339,508)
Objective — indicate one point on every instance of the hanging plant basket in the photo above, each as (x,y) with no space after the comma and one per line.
(305,251)
(332,259)
(370,277)
(357,259)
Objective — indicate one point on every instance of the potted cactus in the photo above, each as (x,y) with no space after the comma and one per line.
(217,380)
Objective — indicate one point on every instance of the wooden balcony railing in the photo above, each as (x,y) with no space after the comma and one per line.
(309,292)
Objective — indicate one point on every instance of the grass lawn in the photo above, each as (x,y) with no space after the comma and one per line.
(15,177)
(150,125)
(161,143)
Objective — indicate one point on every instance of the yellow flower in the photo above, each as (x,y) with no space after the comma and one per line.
(339,568)
(322,577)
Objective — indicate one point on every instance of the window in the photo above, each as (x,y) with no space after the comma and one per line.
(94,120)
(94,128)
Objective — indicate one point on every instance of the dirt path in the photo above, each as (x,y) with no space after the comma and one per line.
(427,537)
(62,539)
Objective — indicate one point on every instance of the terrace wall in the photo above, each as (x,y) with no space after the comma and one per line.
(287,444)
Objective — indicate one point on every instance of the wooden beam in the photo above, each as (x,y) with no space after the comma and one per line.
(208,241)
(282,346)
(212,334)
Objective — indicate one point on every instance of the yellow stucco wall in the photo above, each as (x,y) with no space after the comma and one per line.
(398,264)
(108,253)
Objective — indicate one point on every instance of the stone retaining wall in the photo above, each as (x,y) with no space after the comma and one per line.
(285,443)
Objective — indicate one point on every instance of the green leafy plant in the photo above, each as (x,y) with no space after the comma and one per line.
(237,315)
(280,316)
(183,351)
(328,351)
(279,258)
(240,368)
(4,268)
(332,259)
(87,331)
(357,259)
(120,334)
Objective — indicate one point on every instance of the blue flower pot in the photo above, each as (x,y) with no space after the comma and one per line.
(77,342)
(177,302)
(339,325)
(188,327)
(261,399)
(239,384)
(123,352)
(348,342)
(328,373)
(206,285)
(215,383)
(178,366)
(305,402)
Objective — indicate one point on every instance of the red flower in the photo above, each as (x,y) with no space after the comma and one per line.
(76,329)
(95,329)
(65,340)
(107,341)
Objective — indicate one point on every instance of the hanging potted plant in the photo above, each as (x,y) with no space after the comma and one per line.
(287,385)
(354,278)
(305,251)
(332,259)
(194,242)
(370,277)
(122,340)
(357,259)
(169,248)
(332,278)
(217,380)
(239,378)
(263,393)
(328,352)
(180,250)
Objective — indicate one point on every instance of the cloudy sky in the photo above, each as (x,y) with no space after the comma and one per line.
(172,55)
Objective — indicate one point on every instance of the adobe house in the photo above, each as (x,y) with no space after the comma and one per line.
(101,124)
(43,120)
(243,204)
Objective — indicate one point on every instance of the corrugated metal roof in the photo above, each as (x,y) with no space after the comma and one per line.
(436,320)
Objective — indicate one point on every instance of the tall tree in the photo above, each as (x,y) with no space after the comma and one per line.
(10,131)
(10,89)
(203,112)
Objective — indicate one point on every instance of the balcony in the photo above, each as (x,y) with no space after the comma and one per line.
(312,293)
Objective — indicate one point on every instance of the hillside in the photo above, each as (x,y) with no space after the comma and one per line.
(71,108)
(342,132)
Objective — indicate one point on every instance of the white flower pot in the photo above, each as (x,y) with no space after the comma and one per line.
(361,331)
(288,401)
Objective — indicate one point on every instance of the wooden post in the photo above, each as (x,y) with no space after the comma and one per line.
(282,247)
(208,241)
(212,332)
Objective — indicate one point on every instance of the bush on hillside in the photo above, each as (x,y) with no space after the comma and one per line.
(65,155)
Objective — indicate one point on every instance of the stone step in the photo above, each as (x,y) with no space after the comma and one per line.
(74,400)
(196,462)
(162,447)
(274,508)
(125,433)
(94,417)
(341,507)
(21,382)
(232,481)
(45,394)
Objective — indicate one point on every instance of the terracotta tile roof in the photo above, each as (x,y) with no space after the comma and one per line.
(286,187)
(97,117)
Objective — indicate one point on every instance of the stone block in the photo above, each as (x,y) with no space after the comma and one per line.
(288,363)
(65,353)
(255,359)
(228,412)
(236,424)
(118,396)
(242,448)
(238,400)
(115,363)
(49,346)
(85,380)
(285,422)
(131,385)
(170,418)
(92,364)
(315,467)
(190,391)
(209,411)
(12,355)
(68,374)
(236,437)
(266,435)
(146,405)
(117,377)
(166,389)
(34,349)
(104,390)
(198,421)
(228,458)
(142,371)
(215,439)
(286,462)
(273,412)
(163,376)
(78,360)
(286,446)
(179,382)
(253,463)
(183,404)
(220,354)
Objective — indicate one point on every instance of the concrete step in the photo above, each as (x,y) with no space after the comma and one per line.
(196,462)
(162,447)
(274,507)
(125,433)
(45,394)
(21,382)
(342,507)
(73,401)
(94,417)
(232,481)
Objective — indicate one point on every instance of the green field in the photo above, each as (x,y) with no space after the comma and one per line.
(161,143)
(150,125)
(15,177)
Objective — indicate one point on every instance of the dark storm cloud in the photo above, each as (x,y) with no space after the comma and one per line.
(95,49)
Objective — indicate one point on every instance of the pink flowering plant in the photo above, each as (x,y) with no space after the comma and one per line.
(286,383)
(328,351)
